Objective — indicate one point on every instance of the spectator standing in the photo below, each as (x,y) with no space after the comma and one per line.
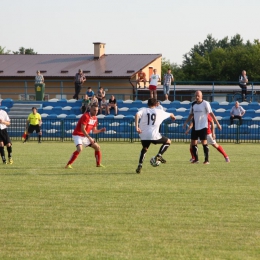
(4,137)
(236,112)
(167,81)
(87,123)
(100,95)
(85,104)
(90,93)
(78,82)
(39,79)
(112,105)
(148,130)
(199,113)
(33,123)
(158,105)
(153,82)
(243,80)
(141,78)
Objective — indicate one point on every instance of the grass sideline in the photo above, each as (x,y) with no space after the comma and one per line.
(174,211)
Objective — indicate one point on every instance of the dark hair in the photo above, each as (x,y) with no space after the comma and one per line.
(34,108)
(89,87)
(94,105)
(152,102)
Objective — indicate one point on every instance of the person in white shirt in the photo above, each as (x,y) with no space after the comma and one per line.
(236,112)
(153,82)
(4,137)
(148,129)
(199,113)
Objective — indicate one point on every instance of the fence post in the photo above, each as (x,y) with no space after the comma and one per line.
(25,89)
(62,130)
(61,89)
(132,132)
(174,91)
(213,88)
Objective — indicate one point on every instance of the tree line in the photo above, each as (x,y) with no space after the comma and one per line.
(211,60)
(218,60)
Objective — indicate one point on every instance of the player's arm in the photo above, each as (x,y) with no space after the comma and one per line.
(83,130)
(27,124)
(172,116)
(97,131)
(138,130)
(187,120)
(189,128)
(213,129)
(216,120)
(7,123)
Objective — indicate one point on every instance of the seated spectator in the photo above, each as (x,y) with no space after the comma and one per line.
(94,100)
(100,95)
(112,105)
(103,106)
(236,112)
(141,78)
(159,106)
(85,104)
(90,93)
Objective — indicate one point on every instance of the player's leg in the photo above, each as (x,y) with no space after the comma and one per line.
(166,142)
(2,152)
(145,146)
(39,132)
(194,145)
(221,150)
(191,153)
(97,154)
(9,151)
(78,141)
(155,94)
(151,93)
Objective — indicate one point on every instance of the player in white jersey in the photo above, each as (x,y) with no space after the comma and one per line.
(148,129)
(199,112)
(4,137)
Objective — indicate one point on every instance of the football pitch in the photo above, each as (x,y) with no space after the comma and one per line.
(175,211)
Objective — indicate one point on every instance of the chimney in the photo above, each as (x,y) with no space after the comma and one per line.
(99,49)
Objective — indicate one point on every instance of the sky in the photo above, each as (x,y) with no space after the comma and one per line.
(167,27)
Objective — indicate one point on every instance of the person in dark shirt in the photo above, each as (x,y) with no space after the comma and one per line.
(112,105)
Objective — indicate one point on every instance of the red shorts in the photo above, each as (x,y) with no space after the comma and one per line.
(152,87)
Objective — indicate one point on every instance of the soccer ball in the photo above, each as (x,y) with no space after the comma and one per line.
(154,163)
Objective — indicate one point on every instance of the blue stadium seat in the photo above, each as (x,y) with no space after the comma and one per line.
(8,102)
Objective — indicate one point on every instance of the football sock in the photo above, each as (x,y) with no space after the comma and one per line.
(39,138)
(192,156)
(2,152)
(195,152)
(221,150)
(73,157)
(206,152)
(9,150)
(142,156)
(163,149)
(98,157)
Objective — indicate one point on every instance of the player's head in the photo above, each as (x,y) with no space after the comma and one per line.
(94,110)
(152,102)
(34,109)
(237,104)
(198,96)
(243,72)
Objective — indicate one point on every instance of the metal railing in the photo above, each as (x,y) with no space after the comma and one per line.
(180,90)
(123,130)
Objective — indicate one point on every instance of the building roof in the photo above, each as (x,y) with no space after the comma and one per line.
(67,65)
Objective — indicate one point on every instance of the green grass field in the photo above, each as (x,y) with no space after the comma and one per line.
(174,211)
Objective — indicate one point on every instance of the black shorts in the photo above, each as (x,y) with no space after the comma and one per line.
(146,143)
(33,128)
(4,137)
(201,134)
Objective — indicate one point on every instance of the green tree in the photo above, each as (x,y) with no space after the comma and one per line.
(2,50)
(23,50)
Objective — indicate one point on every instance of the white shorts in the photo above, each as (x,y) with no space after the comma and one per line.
(82,140)
(210,139)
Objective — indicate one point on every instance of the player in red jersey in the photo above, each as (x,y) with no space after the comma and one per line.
(210,139)
(87,123)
